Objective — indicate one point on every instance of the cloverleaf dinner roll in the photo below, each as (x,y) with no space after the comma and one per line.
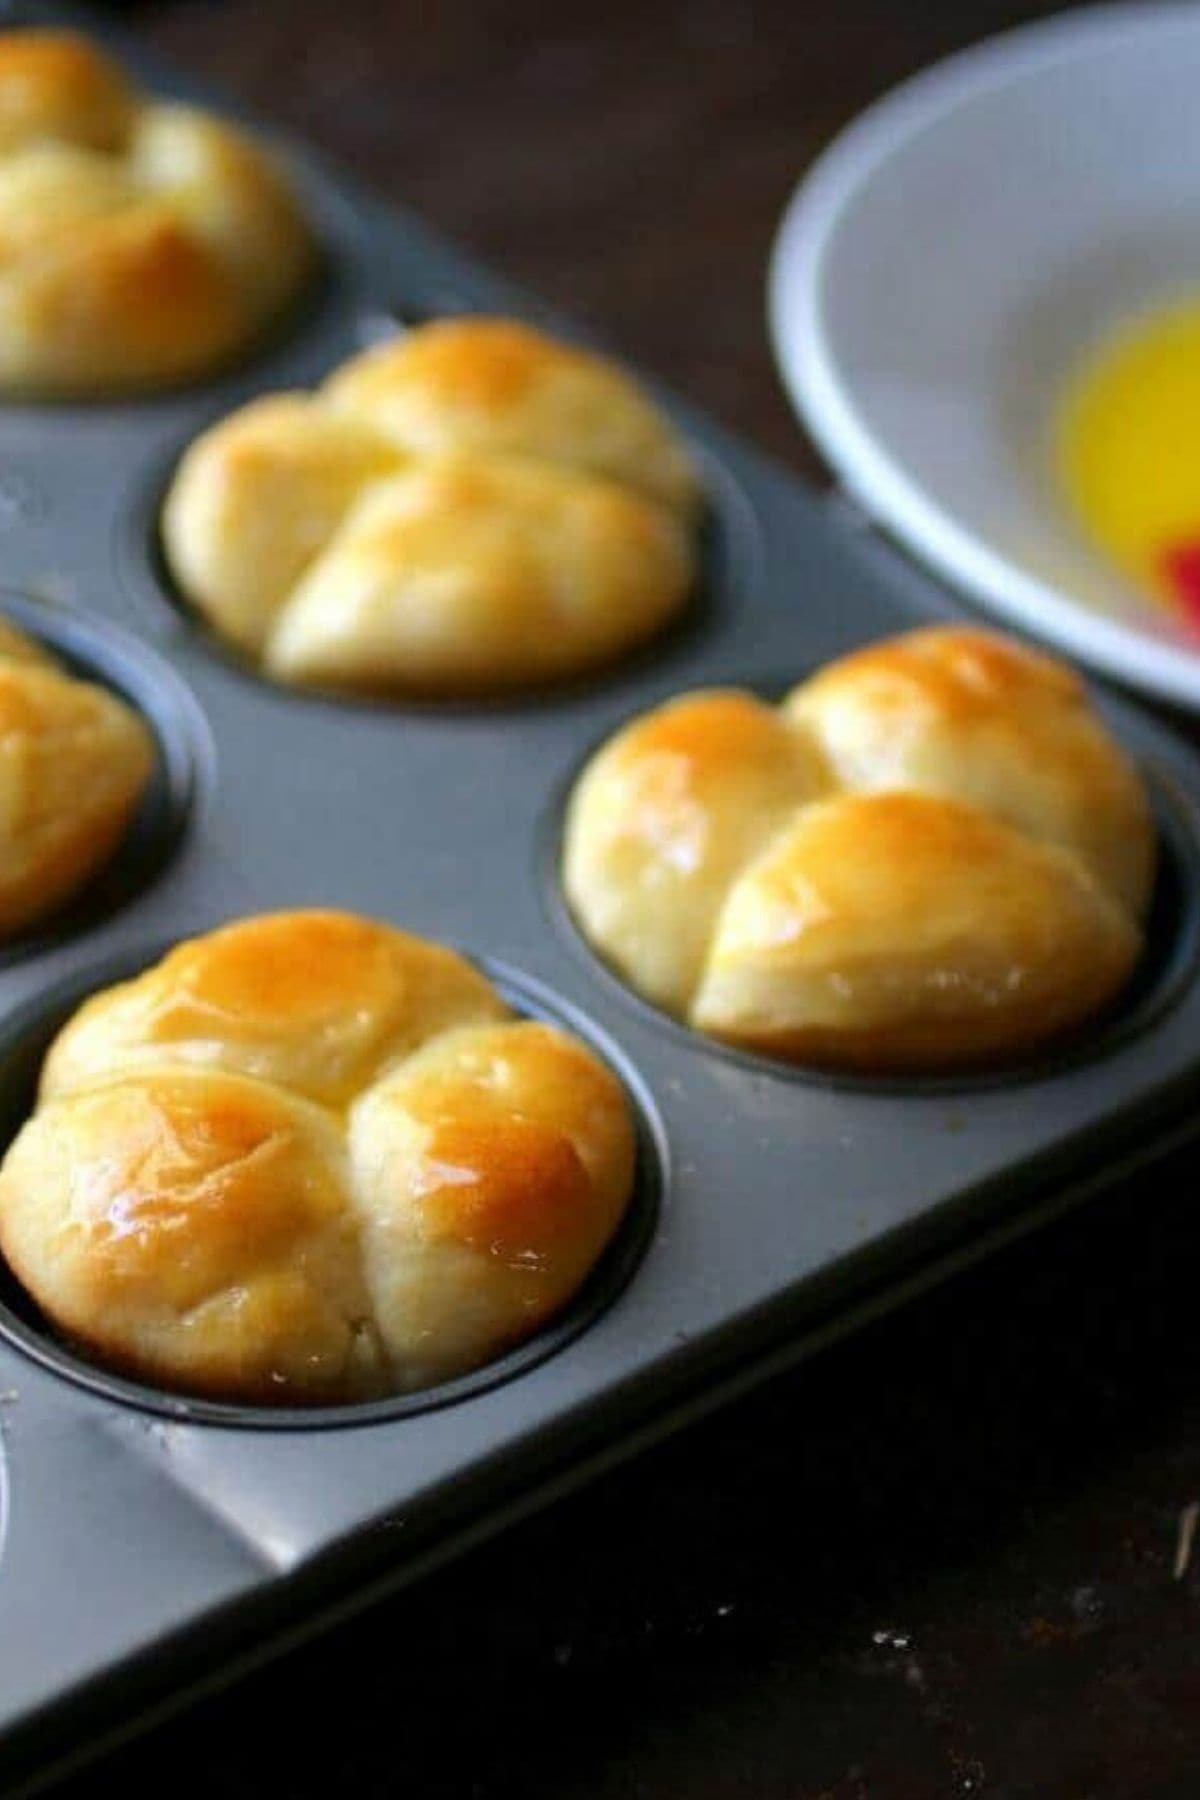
(311,1158)
(74,764)
(140,242)
(932,854)
(471,507)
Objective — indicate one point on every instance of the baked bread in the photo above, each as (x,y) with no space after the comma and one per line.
(310,1158)
(471,507)
(74,764)
(931,855)
(141,243)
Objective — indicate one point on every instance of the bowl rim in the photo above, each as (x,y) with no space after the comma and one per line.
(809,366)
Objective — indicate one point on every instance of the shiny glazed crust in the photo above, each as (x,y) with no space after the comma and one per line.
(74,764)
(140,243)
(472,507)
(310,1158)
(932,854)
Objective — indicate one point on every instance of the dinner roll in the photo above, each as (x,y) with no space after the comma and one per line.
(74,764)
(309,1158)
(469,508)
(931,855)
(142,242)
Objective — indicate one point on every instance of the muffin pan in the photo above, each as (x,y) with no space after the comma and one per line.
(150,1544)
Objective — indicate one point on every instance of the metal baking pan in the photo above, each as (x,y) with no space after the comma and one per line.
(150,1545)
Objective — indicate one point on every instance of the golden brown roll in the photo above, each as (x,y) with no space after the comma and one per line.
(74,764)
(311,1158)
(141,243)
(470,508)
(932,854)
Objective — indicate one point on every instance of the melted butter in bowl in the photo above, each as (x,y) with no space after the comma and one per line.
(1127,447)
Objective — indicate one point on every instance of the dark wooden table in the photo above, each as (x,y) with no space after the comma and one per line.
(943,1561)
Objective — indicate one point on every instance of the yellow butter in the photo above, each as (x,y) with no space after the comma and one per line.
(1128,452)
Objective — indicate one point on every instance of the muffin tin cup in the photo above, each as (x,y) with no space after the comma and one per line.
(26,1036)
(1166,969)
(776,1206)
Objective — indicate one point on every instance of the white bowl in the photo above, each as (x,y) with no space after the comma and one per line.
(945,263)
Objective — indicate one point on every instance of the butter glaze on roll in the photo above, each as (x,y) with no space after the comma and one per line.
(470,508)
(141,243)
(309,1158)
(931,855)
(74,764)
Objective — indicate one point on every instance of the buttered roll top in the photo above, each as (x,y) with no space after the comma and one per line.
(471,507)
(931,854)
(309,1158)
(141,242)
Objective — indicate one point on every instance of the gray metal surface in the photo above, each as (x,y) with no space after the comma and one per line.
(151,1542)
